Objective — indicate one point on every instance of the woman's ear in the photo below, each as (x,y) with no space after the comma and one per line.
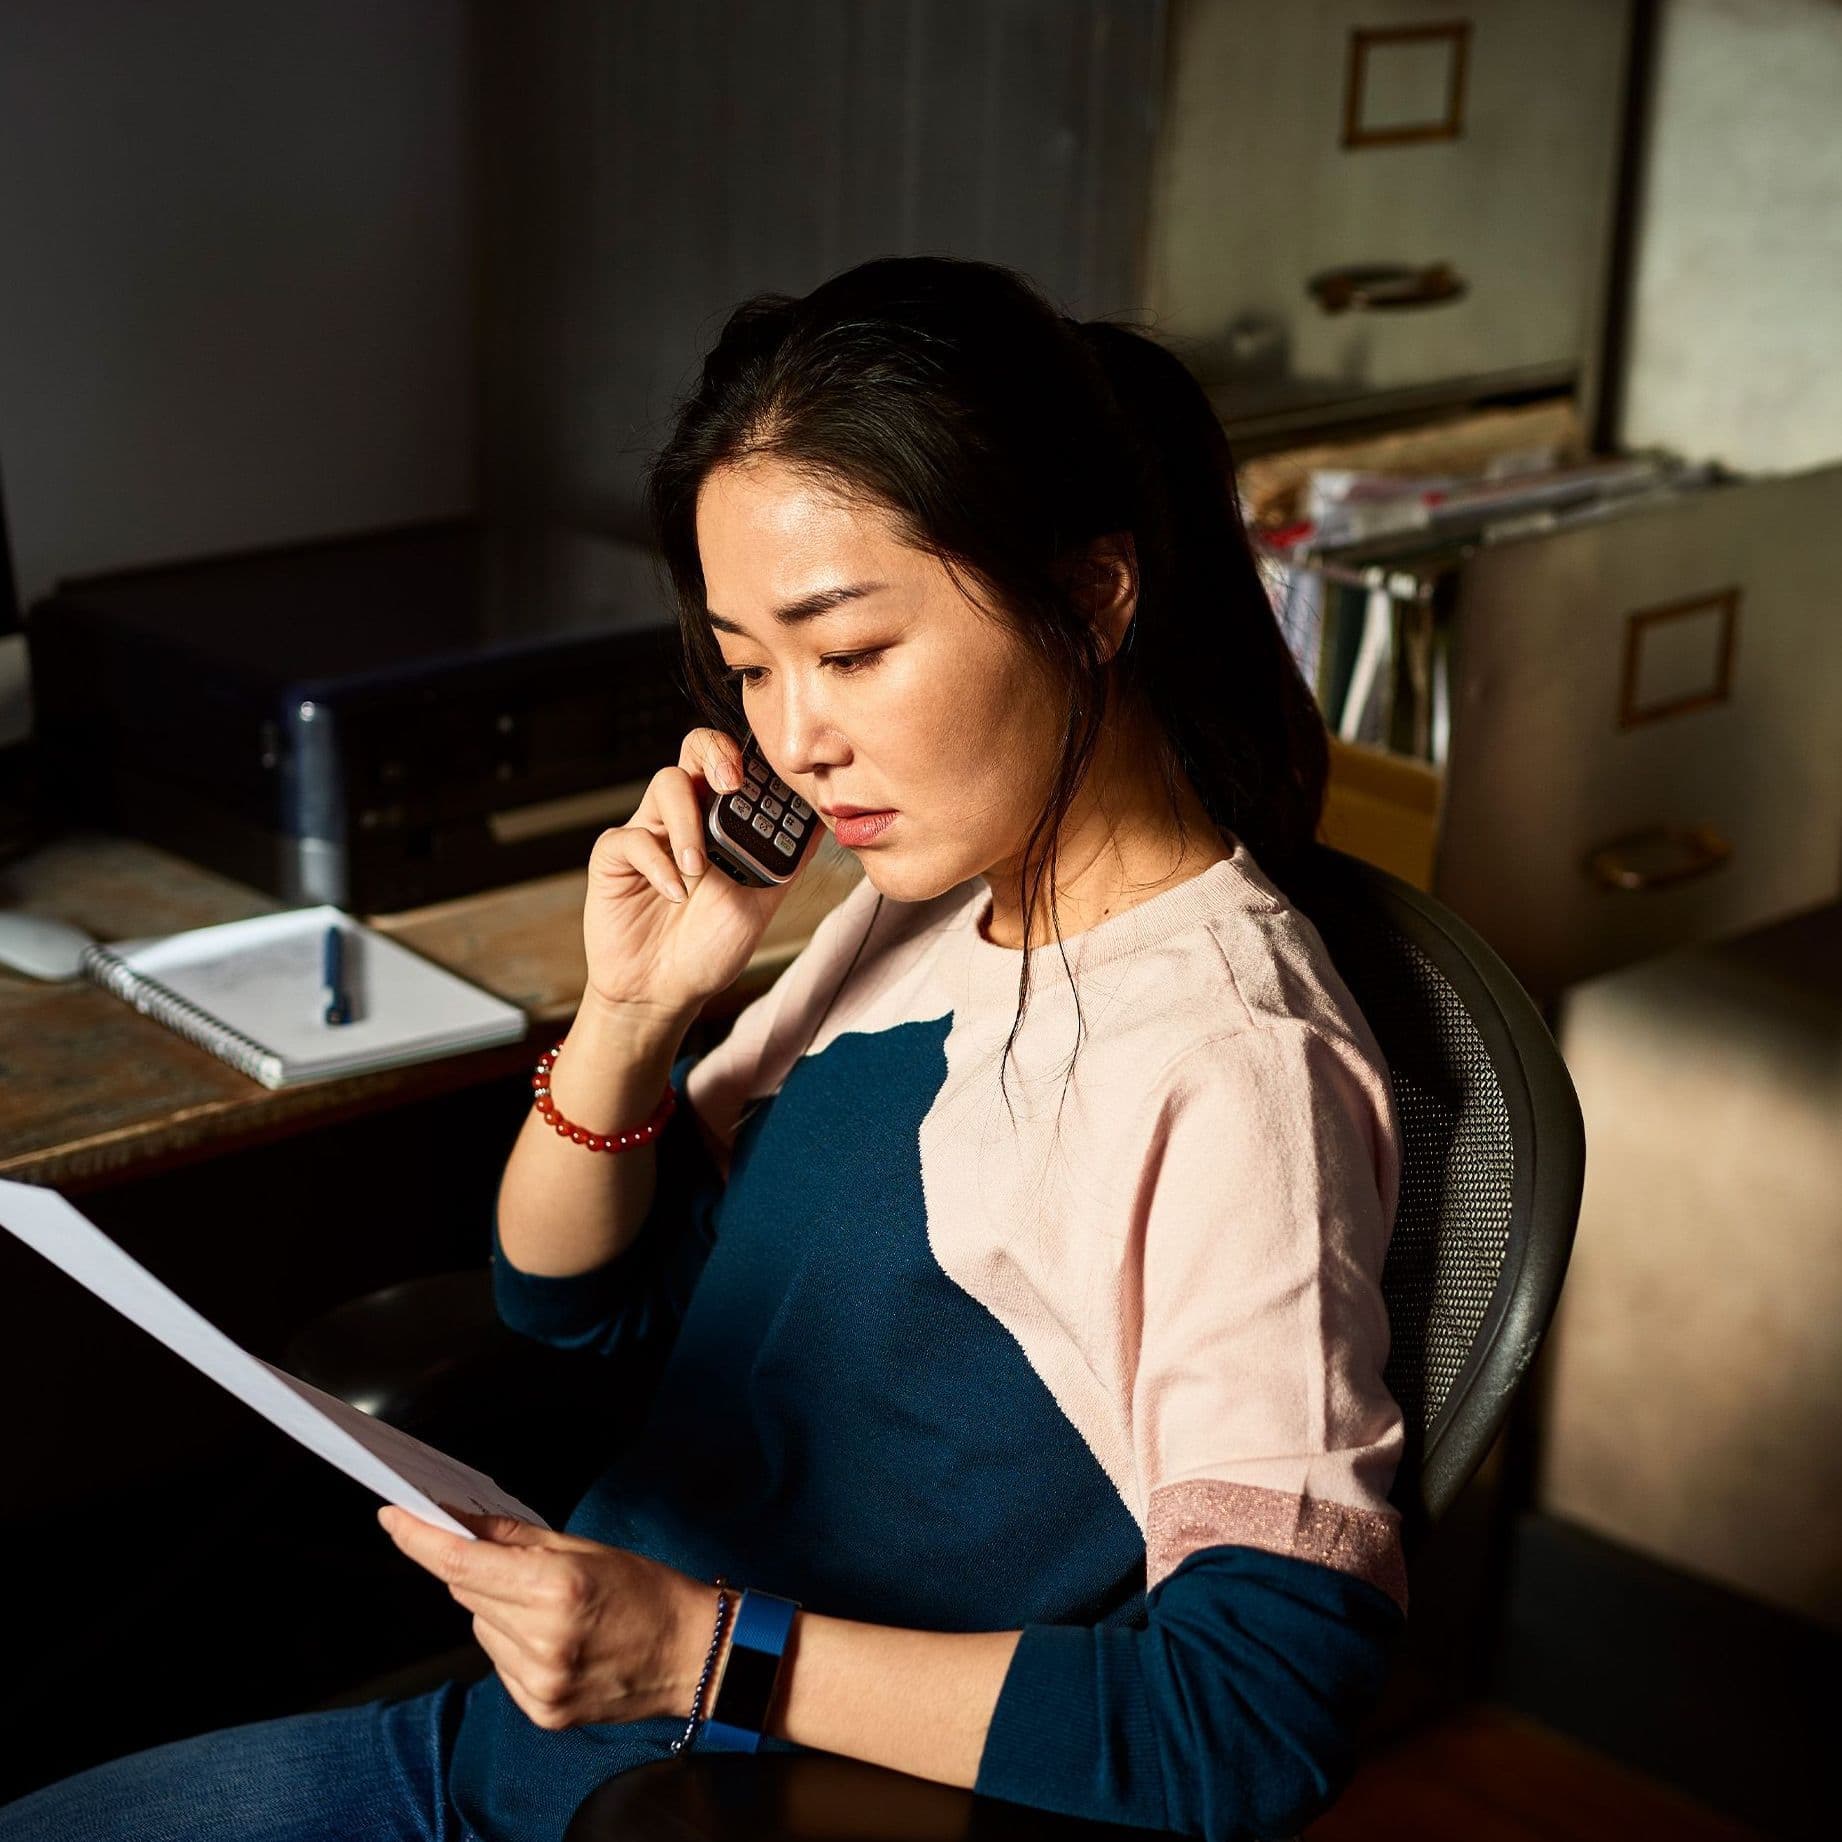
(1104,582)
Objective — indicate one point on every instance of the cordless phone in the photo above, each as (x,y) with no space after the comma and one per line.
(759,834)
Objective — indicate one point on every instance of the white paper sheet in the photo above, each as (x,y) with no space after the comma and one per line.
(400,1469)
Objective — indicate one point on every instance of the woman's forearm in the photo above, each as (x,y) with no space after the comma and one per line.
(915,1701)
(563,1210)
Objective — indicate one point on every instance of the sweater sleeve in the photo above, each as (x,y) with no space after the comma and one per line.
(1231,1714)
(630,1307)
(1265,1444)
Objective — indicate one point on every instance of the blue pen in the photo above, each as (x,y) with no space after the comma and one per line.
(333,995)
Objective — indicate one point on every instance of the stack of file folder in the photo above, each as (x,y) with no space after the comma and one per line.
(1361,582)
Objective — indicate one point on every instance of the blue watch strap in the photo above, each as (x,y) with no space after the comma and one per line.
(750,1674)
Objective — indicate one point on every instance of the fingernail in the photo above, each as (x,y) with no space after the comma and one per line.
(675,891)
(691,859)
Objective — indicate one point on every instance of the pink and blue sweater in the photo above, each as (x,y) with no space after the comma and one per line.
(1105,1365)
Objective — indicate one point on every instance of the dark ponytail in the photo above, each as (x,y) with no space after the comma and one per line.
(1004,438)
(1211,661)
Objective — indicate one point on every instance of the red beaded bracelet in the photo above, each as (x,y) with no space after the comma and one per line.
(642,1134)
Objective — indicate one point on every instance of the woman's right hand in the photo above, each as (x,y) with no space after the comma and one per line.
(660,938)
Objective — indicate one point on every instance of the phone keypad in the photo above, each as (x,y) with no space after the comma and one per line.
(770,810)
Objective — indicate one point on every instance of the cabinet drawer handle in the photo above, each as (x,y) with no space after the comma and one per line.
(1699,849)
(1384,285)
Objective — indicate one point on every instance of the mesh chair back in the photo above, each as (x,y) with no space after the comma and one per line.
(1493,1158)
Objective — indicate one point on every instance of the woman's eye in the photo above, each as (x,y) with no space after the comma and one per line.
(844,662)
(848,662)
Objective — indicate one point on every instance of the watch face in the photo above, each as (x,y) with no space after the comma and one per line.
(761,833)
(748,1687)
(763,1625)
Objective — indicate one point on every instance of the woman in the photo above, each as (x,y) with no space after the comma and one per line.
(1005,1284)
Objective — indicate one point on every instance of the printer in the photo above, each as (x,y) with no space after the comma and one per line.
(378,721)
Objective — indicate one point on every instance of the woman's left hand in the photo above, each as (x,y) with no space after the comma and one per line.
(578,1632)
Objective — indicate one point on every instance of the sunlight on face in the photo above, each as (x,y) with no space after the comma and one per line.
(906,697)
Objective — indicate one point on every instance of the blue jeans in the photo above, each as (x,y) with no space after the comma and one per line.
(376,1773)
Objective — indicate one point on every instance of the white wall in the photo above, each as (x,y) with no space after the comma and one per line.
(1738,284)
(236,273)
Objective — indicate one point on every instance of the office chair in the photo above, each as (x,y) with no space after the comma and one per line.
(1493,1160)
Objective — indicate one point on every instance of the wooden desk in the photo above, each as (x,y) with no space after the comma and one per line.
(92,1092)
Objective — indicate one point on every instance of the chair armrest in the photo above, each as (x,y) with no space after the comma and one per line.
(410,1351)
(811,1797)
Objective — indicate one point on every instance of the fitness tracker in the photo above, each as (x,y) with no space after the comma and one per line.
(750,1674)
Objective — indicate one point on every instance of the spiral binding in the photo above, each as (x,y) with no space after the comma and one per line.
(181,1015)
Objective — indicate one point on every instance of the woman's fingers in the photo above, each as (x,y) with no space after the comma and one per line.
(502,1531)
(539,1698)
(715,756)
(664,841)
(673,807)
(649,855)
(707,756)
(681,812)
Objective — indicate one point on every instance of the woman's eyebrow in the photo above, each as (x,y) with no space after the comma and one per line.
(807,607)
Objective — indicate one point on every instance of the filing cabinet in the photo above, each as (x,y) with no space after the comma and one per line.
(1360,203)
(1636,741)
(1395,214)
(1646,738)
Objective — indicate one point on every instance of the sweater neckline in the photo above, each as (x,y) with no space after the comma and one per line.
(989,973)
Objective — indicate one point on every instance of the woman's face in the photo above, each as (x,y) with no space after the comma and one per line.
(901,698)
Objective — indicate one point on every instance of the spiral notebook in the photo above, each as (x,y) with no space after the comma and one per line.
(250,992)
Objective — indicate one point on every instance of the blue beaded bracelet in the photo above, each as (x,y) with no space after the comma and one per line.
(697,1695)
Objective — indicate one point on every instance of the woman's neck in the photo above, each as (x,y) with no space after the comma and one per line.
(1120,846)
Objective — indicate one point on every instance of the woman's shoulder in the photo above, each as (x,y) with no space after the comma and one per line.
(1247,1001)
(1244,958)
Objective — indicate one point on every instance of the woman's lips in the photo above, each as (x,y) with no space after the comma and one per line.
(862,828)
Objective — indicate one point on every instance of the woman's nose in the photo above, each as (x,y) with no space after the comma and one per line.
(805,737)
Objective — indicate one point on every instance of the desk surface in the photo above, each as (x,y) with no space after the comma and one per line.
(91,1091)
